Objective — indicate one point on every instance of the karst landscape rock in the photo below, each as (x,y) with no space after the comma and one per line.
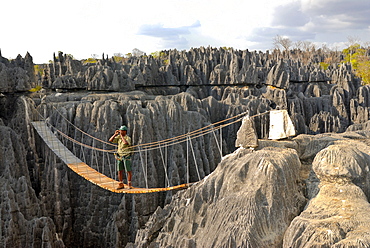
(309,190)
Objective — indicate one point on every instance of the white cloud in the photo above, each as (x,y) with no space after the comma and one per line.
(86,27)
(318,21)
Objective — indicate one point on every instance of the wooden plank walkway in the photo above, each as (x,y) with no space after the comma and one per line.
(86,171)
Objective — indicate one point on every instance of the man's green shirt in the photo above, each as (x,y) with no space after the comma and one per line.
(123,149)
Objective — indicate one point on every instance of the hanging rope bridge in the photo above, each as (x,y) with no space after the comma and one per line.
(98,174)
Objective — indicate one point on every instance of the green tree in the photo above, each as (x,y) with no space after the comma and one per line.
(90,60)
(363,70)
(38,70)
(360,61)
(161,56)
(118,57)
(324,66)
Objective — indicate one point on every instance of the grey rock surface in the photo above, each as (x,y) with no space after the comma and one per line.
(338,215)
(335,215)
(230,208)
(23,221)
(246,135)
(44,202)
(17,75)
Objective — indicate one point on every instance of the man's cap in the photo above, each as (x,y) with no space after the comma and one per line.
(124,128)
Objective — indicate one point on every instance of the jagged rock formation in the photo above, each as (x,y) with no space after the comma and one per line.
(292,81)
(246,135)
(24,222)
(43,202)
(231,207)
(338,215)
(235,206)
(17,75)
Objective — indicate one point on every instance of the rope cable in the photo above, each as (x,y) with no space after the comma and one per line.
(156,142)
(144,172)
(97,162)
(218,145)
(103,163)
(195,133)
(94,148)
(187,160)
(173,140)
(147,145)
(110,166)
(199,135)
(93,137)
(221,141)
(183,136)
(193,136)
(164,166)
(195,160)
(146,169)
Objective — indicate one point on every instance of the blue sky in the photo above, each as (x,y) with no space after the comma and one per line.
(86,27)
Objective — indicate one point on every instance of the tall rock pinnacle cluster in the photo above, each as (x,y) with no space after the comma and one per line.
(310,190)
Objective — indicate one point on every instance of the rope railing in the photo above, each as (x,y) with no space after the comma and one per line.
(184,136)
(166,142)
(153,145)
(196,133)
(175,140)
(150,144)
(95,158)
(87,134)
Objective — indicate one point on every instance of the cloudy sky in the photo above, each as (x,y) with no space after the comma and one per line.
(86,27)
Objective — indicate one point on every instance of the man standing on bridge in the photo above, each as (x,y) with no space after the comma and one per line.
(123,155)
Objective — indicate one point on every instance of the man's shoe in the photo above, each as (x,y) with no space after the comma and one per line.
(121,186)
(129,185)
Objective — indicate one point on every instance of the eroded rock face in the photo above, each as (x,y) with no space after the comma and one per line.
(149,118)
(338,215)
(43,202)
(23,221)
(17,75)
(247,136)
(337,184)
(248,201)
(291,80)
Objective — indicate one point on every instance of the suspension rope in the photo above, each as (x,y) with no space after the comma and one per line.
(218,145)
(188,137)
(221,141)
(187,159)
(92,158)
(65,132)
(144,171)
(196,133)
(82,155)
(192,133)
(195,160)
(146,167)
(96,161)
(103,157)
(156,143)
(164,143)
(110,166)
(93,137)
(164,166)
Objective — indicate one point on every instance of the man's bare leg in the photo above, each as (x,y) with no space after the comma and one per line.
(129,176)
